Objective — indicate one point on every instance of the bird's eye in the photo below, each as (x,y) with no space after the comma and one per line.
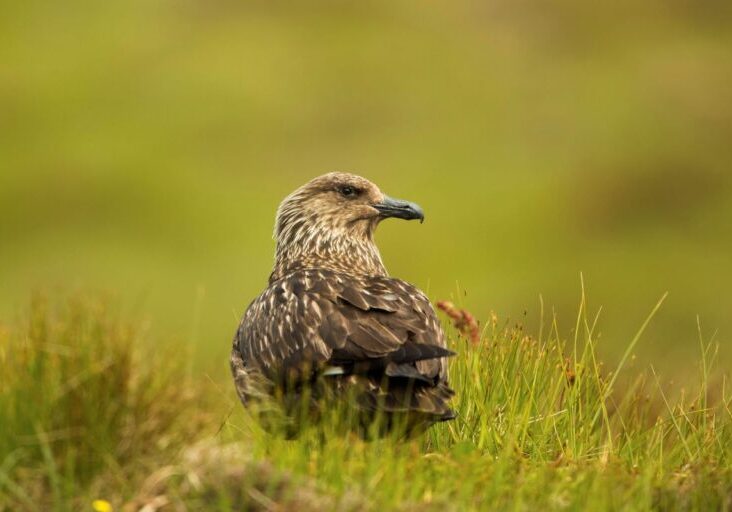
(348,191)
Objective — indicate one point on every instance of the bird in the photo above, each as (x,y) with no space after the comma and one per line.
(333,325)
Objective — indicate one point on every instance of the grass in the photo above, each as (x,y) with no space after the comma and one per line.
(92,409)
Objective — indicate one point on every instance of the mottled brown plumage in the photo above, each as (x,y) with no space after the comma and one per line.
(332,315)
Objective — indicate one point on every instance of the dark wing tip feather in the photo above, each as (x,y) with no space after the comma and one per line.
(413,352)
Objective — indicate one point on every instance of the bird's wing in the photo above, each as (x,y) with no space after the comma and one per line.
(359,324)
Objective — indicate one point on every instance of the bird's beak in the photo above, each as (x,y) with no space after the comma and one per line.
(400,209)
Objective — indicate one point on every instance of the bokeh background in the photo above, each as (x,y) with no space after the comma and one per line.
(145,145)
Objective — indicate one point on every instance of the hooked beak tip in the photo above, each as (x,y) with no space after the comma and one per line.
(399,209)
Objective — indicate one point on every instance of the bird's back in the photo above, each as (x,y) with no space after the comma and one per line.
(373,336)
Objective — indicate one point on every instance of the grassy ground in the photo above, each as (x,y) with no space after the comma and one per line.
(94,410)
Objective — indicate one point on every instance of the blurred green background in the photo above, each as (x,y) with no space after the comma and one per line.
(145,145)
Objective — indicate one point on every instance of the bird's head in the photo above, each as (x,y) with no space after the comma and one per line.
(334,215)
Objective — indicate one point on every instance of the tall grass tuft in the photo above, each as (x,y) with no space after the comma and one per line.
(85,406)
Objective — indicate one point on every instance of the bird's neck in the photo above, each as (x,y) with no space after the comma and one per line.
(357,256)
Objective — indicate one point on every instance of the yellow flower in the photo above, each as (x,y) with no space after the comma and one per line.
(102,506)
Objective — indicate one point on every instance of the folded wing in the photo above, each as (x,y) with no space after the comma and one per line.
(320,318)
